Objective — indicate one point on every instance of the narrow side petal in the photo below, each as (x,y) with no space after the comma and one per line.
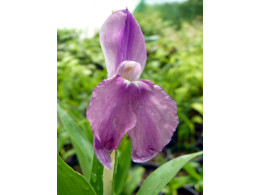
(121,39)
(157,120)
(110,116)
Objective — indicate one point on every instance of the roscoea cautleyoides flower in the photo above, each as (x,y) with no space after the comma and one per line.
(124,104)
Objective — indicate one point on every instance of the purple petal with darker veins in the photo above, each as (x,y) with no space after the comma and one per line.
(102,153)
(110,116)
(157,120)
(121,39)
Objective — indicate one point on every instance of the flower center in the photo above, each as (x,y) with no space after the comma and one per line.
(129,70)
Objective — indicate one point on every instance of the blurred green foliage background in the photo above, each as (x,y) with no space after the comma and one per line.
(174,41)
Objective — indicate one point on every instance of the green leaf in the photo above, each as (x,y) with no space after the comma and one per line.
(84,149)
(124,164)
(96,179)
(191,170)
(115,172)
(181,181)
(62,138)
(133,180)
(197,119)
(82,122)
(159,178)
(68,154)
(198,107)
(71,182)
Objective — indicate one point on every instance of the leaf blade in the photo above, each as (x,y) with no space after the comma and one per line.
(159,178)
(84,149)
(124,164)
(71,182)
(135,177)
(96,179)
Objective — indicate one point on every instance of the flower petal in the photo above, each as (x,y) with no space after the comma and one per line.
(121,39)
(157,120)
(102,153)
(110,116)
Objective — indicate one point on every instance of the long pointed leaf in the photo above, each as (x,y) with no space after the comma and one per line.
(114,174)
(124,164)
(96,179)
(70,182)
(134,179)
(84,149)
(159,178)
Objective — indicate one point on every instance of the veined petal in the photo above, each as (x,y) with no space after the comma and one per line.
(110,116)
(157,120)
(121,39)
(102,153)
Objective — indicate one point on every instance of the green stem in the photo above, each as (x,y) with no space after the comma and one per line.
(108,176)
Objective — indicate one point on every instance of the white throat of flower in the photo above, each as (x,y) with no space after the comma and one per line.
(129,70)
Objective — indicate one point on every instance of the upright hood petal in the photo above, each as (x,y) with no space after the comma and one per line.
(121,39)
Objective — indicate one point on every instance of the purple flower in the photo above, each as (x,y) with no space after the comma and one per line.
(124,104)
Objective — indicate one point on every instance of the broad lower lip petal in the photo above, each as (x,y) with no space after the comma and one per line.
(144,111)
